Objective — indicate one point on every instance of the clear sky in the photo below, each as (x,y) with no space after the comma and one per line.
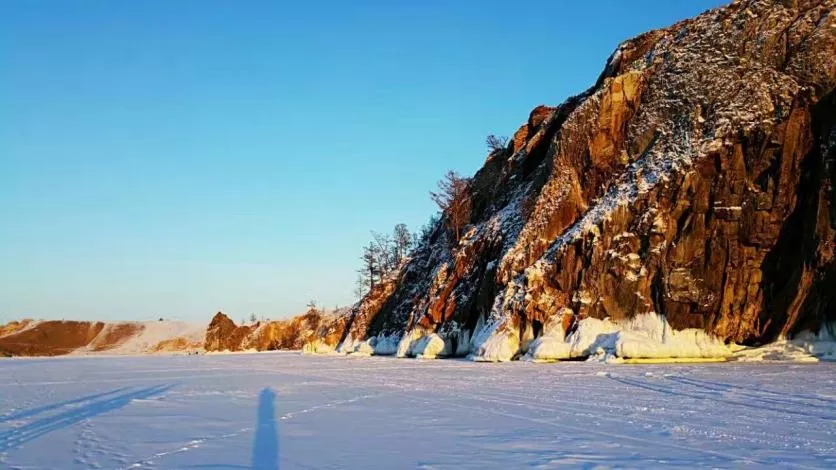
(176,158)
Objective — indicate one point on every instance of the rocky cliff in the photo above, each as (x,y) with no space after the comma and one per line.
(685,201)
(318,330)
(694,182)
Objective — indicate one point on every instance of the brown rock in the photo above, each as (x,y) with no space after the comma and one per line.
(224,335)
(695,179)
(50,338)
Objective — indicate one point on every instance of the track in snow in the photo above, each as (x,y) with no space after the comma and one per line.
(274,410)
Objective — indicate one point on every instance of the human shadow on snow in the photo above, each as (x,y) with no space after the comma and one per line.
(265,455)
(15,437)
(266,444)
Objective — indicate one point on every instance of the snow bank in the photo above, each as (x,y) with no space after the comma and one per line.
(462,343)
(804,347)
(405,344)
(365,348)
(428,347)
(651,336)
(386,345)
(415,343)
(380,345)
(645,336)
(348,345)
(317,347)
(821,345)
(495,342)
(591,336)
(551,345)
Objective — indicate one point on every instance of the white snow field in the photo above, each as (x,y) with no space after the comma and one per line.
(284,410)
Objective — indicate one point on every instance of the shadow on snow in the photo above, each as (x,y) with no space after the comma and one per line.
(41,409)
(23,434)
(717,398)
(266,444)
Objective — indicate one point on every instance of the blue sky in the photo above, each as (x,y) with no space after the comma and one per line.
(176,158)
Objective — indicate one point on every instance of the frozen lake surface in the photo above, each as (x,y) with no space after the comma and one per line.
(281,410)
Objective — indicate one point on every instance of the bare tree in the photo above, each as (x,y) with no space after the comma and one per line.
(401,243)
(385,256)
(495,143)
(453,198)
(360,288)
(253,318)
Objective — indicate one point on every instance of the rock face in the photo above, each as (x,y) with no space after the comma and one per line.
(695,180)
(313,326)
(224,335)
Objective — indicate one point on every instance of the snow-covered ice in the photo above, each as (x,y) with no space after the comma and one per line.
(285,410)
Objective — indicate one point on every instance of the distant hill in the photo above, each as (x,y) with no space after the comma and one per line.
(55,338)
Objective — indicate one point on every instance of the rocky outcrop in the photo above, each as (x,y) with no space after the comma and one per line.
(51,338)
(224,335)
(694,181)
(292,334)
